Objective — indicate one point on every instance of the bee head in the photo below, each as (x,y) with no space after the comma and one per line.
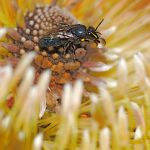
(93,34)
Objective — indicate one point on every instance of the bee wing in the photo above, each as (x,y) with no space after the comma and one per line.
(64,35)
(60,34)
(50,34)
(63,26)
(57,34)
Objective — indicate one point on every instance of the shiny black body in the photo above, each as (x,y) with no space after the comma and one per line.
(46,42)
(70,37)
(82,33)
(78,30)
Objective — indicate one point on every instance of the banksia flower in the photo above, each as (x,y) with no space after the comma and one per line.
(66,65)
(107,107)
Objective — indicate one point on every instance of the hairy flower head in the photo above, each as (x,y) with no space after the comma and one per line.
(110,111)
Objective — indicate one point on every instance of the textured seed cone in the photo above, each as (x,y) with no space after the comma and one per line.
(66,66)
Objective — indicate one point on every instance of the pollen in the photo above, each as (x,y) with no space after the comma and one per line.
(35,39)
(28,31)
(22,51)
(50,48)
(36,26)
(44,53)
(38,60)
(55,56)
(72,66)
(23,39)
(29,44)
(36,48)
(41,32)
(46,63)
(30,14)
(80,52)
(35,32)
(58,68)
(31,23)
(67,56)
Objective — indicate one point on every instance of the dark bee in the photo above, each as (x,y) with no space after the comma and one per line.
(83,33)
(71,36)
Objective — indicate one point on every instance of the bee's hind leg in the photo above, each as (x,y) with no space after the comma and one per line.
(73,48)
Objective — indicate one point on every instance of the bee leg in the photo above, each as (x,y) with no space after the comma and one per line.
(66,46)
(102,41)
(74,55)
(72,48)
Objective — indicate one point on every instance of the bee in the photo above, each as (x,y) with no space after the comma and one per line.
(71,36)
(82,33)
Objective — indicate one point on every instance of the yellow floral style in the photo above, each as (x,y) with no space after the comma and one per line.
(114,114)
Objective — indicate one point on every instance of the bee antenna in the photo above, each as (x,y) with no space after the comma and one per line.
(99,24)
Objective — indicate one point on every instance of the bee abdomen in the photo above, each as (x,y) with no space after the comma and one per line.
(46,42)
